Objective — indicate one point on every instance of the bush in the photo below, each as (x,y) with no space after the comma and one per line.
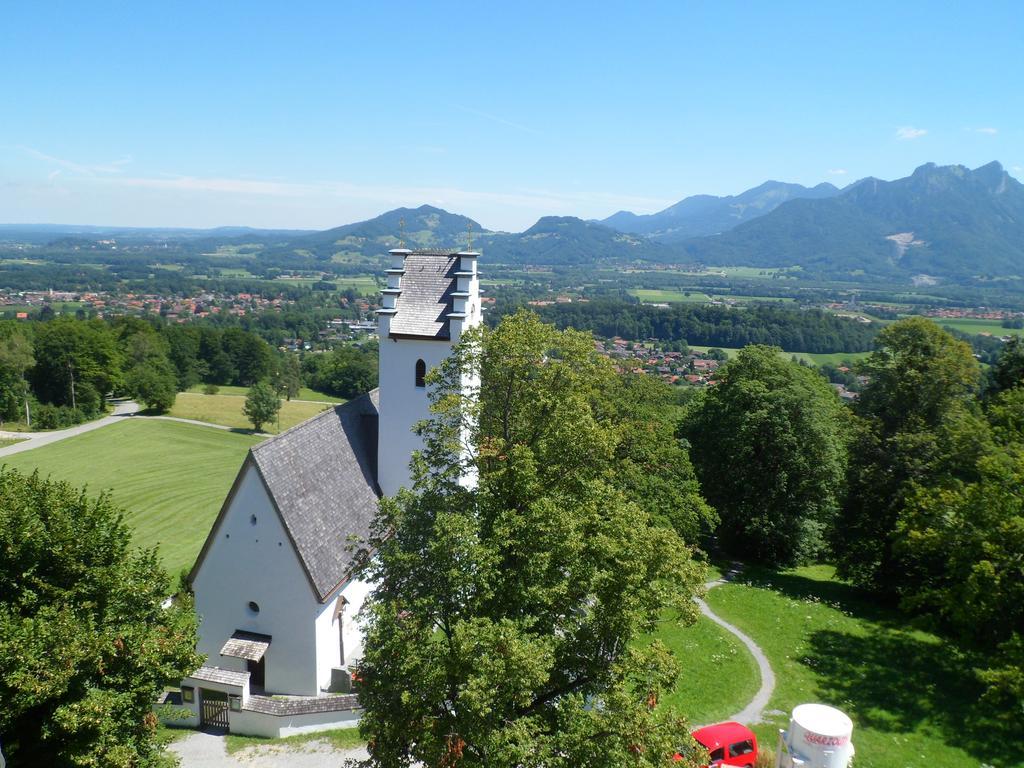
(47,416)
(210,389)
(765,757)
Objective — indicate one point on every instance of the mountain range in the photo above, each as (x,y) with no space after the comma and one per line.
(941,221)
(945,221)
(708,215)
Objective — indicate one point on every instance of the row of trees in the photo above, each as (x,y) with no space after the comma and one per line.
(794,330)
(62,369)
(914,492)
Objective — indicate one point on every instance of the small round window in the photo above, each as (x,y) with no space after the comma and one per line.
(254,606)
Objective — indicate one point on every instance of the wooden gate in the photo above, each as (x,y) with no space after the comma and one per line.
(214,709)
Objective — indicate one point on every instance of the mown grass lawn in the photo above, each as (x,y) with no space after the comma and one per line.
(913,697)
(227,411)
(6,441)
(171,478)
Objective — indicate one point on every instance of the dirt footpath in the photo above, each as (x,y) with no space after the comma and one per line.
(206,750)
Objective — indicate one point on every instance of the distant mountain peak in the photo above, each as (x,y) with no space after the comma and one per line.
(706,214)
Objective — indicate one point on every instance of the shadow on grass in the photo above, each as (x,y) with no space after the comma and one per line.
(900,683)
(837,594)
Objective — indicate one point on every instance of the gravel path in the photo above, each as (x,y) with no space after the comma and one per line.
(753,713)
(207,750)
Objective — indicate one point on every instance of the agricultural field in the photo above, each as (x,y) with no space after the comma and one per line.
(828,358)
(226,410)
(974,325)
(659,296)
(913,698)
(361,283)
(171,478)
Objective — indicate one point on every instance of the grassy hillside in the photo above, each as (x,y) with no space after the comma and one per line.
(171,478)
(912,697)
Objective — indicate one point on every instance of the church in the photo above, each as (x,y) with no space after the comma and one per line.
(274,587)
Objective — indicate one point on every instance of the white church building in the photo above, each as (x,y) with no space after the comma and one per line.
(274,588)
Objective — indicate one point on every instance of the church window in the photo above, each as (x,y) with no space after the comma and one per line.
(254,606)
(421,373)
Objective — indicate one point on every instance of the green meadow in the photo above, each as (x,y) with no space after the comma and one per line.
(171,478)
(913,697)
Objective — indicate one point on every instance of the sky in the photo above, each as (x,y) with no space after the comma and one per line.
(315,114)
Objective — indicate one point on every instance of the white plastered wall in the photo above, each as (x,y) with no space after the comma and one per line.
(256,562)
(328,649)
(402,405)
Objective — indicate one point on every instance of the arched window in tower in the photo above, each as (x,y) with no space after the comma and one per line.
(421,373)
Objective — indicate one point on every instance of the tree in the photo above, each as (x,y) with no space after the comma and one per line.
(154,383)
(1008,372)
(77,362)
(85,644)
(261,404)
(15,360)
(347,371)
(288,376)
(918,427)
(767,444)
(515,605)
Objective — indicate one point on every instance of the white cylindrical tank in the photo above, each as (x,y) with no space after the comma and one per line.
(818,737)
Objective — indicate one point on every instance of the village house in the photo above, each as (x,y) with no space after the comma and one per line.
(274,585)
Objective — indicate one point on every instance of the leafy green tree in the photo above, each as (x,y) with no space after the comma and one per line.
(503,628)
(85,645)
(288,376)
(347,371)
(15,360)
(918,428)
(261,404)
(250,356)
(1008,372)
(77,362)
(768,446)
(154,383)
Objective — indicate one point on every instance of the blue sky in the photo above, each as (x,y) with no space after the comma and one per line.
(317,114)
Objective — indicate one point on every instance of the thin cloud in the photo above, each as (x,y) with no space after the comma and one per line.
(530,199)
(501,120)
(838,171)
(987,131)
(906,132)
(83,169)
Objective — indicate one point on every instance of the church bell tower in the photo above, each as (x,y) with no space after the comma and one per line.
(431,299)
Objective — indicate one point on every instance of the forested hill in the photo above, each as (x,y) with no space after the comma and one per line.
(423,227)
(946,221)
(794,330)
(568,240)
(708,215)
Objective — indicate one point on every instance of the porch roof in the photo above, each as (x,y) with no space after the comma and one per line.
(246,645)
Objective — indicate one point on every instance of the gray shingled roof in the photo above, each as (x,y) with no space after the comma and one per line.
(218,675)
(322,475)
(425,301)
(302,705)
(246,645)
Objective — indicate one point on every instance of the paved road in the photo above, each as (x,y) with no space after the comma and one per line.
(206,750)
(37,439)
(753,713)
